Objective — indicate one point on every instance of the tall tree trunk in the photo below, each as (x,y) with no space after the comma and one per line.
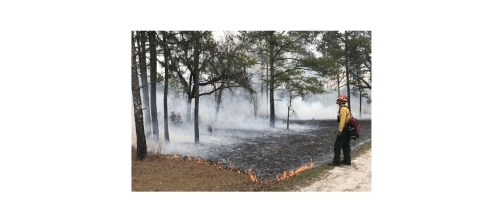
(288,113)
(266,88)
(338,79)
(189,108)
(338,84)
(261,83)
(143,77)
(360,110)
(255,106)
(358,71)
(153,87)
(219,100)
(137,107)
(347,71)
(191,95)
(196,55)
(272,104)
(165,91)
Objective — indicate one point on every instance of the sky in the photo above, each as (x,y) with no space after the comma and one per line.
(66,118)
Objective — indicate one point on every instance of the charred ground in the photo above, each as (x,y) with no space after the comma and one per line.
(267,154)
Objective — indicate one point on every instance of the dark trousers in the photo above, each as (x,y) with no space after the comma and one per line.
(342,143)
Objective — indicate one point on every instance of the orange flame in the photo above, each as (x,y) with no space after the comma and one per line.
(252,176)
(295,172)
(174,157)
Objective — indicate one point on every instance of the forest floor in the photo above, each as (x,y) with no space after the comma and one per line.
(165,173)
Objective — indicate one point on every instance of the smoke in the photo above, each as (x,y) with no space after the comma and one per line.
(236,112)
(320,107)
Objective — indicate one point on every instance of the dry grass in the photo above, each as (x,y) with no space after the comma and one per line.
(160,173)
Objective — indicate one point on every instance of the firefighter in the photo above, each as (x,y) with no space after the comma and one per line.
(342,142)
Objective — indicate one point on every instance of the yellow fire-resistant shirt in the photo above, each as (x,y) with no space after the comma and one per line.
(344,115)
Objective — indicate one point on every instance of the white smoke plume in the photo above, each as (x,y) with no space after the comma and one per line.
(237,113)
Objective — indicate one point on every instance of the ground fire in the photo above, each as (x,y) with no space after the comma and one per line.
(295,172)
(249,171)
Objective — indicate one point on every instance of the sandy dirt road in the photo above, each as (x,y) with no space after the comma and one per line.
(354,178)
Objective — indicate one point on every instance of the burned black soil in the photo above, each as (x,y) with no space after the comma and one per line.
(269,153)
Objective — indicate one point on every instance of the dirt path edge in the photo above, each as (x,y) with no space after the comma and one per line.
(353,178)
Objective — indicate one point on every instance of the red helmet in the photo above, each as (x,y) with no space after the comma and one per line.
(343,98)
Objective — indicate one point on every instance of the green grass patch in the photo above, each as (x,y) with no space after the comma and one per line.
(363,149)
